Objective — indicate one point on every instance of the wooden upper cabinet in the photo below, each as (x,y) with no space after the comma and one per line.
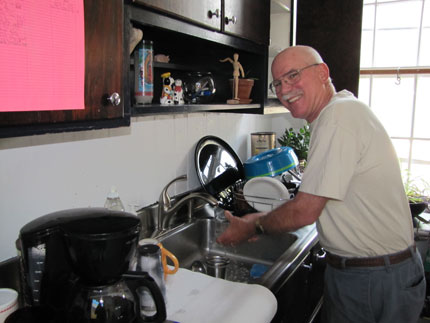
(104,57)
(248,19)
(206,13)
(104,71)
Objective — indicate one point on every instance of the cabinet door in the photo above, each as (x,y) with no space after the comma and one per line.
(207,13)
(103,70)
(104,57)
(248,19)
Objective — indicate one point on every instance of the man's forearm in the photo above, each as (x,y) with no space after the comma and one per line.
(303,210)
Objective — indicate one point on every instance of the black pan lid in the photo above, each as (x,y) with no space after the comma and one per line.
(218,167)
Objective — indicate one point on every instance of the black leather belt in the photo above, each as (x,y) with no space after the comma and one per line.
(342,262)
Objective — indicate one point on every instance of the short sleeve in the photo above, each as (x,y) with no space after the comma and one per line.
(332,160)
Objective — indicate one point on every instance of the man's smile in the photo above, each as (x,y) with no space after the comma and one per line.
(292,96)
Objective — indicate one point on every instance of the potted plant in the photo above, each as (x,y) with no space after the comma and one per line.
(298,141)
(418,196)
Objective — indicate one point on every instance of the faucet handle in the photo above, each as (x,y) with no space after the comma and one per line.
(164,197)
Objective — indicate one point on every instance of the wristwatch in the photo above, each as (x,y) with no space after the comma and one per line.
(258,227)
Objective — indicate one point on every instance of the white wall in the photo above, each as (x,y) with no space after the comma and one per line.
(279,33)
(47,173)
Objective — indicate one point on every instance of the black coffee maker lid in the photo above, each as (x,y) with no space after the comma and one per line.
(80,220)
(101,224)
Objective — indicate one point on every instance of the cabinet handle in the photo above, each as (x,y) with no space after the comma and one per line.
(233,20)
(214,13)
(114,99)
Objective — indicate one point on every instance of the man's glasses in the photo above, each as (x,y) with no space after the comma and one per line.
(290,78)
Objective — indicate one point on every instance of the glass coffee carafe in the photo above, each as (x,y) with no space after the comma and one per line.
(111,303)
(105,292)
(116,302)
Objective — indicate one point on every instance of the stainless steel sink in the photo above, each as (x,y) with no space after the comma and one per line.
(292,263)
(197,239)
(275,255)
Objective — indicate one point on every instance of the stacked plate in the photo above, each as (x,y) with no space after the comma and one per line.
(263,190)
(265,193)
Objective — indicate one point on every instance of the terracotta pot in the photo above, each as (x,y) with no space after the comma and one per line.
(244,88)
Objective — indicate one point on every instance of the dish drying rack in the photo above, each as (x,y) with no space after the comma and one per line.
(246,202)
(243,204)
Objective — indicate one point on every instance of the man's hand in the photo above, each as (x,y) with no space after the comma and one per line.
(303,210)
(239,229)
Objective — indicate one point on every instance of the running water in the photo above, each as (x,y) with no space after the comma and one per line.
(237,271)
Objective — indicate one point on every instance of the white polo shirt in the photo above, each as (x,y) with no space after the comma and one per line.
(352,161)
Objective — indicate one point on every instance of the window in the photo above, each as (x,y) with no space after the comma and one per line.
(395,77)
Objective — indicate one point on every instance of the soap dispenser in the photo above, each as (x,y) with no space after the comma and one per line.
(113,202)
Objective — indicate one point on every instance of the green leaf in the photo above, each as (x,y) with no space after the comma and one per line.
(297,140)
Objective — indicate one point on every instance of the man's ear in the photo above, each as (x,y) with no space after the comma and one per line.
(323,72)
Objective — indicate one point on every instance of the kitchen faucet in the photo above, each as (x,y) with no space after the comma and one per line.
(166,209)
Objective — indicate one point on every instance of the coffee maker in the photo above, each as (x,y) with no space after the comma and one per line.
(74,264)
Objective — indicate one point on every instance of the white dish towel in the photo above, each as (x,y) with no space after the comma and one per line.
(194,298)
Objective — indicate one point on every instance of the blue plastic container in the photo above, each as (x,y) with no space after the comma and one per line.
(271,163)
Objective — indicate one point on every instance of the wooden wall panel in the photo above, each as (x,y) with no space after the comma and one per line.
(333,28)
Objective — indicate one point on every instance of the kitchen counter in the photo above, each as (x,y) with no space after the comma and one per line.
(194,298)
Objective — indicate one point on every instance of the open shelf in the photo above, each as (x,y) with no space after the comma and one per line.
(188,108)
(181,67)
(193,49)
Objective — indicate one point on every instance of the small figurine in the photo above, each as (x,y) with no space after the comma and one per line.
(178,94)
(167,92)
(135,37)
(161,58)
(237,67)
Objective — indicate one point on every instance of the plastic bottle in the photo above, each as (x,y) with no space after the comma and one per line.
(113,202)
(143,73)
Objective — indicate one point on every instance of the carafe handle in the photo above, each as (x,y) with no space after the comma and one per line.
(138,279)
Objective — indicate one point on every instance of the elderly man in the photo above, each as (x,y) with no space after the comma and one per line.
(352,189)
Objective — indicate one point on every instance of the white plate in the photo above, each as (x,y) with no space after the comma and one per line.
(265,193)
